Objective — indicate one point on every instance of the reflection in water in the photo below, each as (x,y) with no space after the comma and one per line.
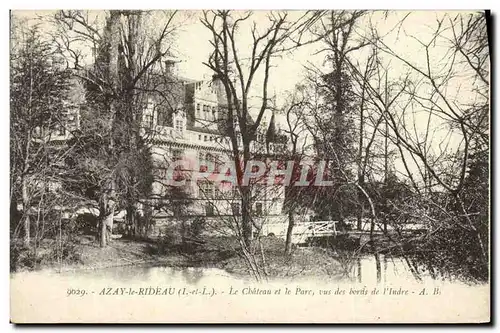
(359,271)
(367,269)
(380,268)
(157,275)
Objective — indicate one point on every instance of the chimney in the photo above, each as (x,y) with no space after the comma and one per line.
(170,67)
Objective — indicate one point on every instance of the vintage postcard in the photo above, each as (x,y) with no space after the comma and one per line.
(229,166)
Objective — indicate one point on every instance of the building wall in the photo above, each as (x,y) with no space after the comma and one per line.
(196,137)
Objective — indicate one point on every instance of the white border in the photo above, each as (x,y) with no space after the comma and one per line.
(189,4)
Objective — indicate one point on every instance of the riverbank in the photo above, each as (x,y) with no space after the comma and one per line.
(213,252)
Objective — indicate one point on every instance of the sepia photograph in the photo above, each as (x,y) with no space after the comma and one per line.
(249,166)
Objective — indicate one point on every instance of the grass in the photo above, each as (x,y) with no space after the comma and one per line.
(219,252)
(303,261)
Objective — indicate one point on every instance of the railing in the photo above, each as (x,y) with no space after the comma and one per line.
(301,230)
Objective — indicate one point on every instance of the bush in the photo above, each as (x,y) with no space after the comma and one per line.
(47,254)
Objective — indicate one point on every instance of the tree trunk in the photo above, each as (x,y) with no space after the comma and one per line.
(289,233)
(107,227)
(246,218)
(102,232)
(14,212)
(359,270)
(109,224)
(25,199)
(377,264)
(132,221)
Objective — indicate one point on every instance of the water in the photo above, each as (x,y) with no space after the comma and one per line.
(44,296)
(353,270)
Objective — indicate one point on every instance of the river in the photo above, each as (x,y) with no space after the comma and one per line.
(181,295)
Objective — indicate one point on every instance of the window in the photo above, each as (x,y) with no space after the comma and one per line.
(235,191)
(217,163)
(177,210)
(60,130)
(235,207)
(209,209)
(210,161)
(206,190)
(218,192)
(162,117)
(199,137)
(205,138)
(179,125)
(258,208)
(176,154)
(148,119)
(198,110)
(162,173)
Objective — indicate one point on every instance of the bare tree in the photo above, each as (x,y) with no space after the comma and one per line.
(455,128)
(238,72)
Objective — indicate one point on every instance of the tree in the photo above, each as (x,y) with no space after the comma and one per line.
(296,197)
(332,117)
(438,165)
(124,55)
(39,102)
(238,72)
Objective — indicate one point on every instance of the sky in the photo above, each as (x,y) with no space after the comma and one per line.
(192,48)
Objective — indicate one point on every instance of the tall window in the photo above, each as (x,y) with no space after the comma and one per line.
(206,112)
(209,209)
(164,114)
(210,161)
(235,207)
(218,192)
(258,208)
(214,113)
(177,210)
(148,119)
(235,191)
(179,125)
(217,162)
